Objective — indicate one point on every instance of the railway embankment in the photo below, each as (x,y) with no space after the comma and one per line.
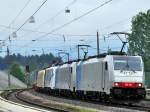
(72,105)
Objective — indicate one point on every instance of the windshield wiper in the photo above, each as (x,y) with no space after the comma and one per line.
(132,69)
(127,67)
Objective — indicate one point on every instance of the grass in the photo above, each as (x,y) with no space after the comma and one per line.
(80,109)
(74,108)
(147,97)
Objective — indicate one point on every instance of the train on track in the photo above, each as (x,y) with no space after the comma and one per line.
(107,76)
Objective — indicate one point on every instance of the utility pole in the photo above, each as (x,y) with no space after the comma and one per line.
(8,53)
(9,83)
(97,43)
(43,51)
(78,52)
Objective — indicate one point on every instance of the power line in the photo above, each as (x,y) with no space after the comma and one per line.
(20,12)
(26,4)
(73,20)
(42,32)
(71,35)
(116,23)
(59,12)
(50,19)
(31,15)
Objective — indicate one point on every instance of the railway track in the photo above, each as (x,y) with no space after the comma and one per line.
(14,95)
(93,104)
(142,105)
(10,106)
(18,96)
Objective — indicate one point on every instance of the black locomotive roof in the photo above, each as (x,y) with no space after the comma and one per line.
(95,56)
(91,57)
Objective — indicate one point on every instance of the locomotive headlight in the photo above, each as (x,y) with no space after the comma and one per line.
(140,85)
(116,84)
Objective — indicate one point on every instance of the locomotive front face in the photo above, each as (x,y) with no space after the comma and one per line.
(128,76)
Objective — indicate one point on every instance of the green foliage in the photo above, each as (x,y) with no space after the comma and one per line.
(147,77)
(16,71)
(139,40)
(35,62)
(147,65)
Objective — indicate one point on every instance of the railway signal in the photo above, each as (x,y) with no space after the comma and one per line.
(27,69)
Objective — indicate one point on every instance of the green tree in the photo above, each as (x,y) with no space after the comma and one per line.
(139,40)
(16,71)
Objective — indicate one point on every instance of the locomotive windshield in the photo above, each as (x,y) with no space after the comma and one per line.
(127,63)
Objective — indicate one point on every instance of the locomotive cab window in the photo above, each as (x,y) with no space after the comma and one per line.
(127,63)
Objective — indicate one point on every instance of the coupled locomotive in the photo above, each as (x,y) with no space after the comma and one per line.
(111,76)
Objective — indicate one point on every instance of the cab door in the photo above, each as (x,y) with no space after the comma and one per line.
(103,76)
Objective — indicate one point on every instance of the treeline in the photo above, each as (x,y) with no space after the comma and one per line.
(139,39)
(35,61)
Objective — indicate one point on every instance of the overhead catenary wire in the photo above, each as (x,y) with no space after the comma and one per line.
(60,34)
(20,12)
(29,17)
(70,35)
(50,19)
(49,47)
(42,32)
(73,20)
(26,4)
(59,12)
(71,3)
(32,15)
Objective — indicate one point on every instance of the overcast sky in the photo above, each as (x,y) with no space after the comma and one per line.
(115,16)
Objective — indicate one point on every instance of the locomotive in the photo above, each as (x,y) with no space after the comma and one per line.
(109,76)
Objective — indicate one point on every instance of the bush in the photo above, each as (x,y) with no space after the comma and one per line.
(16,71)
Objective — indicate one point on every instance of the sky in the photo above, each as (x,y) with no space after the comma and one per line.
(115,16)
